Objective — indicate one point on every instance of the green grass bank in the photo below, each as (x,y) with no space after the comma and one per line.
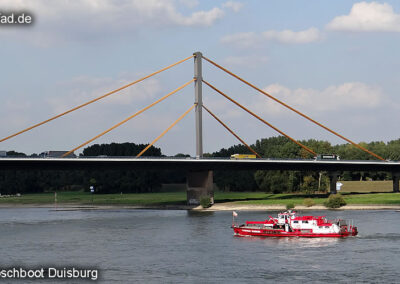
(179,198)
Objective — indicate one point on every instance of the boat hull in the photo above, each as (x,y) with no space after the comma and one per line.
(243,231)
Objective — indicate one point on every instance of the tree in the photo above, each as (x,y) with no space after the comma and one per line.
(274,181)
(115,181)
(234,180)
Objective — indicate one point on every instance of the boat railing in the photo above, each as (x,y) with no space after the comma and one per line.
(256,222)
(350,229)
(339,221)
(347,225)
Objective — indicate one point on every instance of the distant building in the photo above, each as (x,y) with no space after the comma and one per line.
(3,153)
(57,154)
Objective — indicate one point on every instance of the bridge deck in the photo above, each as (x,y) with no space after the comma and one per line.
(196,164)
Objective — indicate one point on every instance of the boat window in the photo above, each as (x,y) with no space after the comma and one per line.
(326,227)
(305,222)
(295,222)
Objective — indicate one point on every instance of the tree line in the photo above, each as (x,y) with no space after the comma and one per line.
(296,181)
(138,181)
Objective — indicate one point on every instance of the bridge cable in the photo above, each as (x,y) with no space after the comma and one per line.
(129,118)
(96,99)
(165,131)
(259,118)
(231,131)
(295,110)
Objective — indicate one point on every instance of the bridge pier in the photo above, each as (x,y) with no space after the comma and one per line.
(199,184)
(333,176)
(396,178)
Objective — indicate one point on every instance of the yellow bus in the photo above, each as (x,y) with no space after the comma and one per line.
(243,156)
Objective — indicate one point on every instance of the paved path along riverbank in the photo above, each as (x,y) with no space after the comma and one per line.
(227,206)
(248,207)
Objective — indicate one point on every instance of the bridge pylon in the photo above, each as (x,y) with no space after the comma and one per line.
(198,100)
(199,183)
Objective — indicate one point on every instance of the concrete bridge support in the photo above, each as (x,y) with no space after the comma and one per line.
(199,185)
(396,178)
(333,176)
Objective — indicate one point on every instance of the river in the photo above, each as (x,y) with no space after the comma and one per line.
(177,246)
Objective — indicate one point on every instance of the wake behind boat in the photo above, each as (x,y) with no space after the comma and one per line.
(289,224)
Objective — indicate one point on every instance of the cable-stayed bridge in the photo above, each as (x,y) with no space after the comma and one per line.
(199,169)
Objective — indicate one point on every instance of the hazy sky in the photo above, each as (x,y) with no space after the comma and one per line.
(337,61)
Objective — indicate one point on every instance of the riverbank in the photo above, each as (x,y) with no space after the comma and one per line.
(232,206)
(177,200)
(226,206)
(83,207)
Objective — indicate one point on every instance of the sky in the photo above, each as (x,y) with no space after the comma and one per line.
(336,61)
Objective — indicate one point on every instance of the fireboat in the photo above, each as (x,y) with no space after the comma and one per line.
(289,224)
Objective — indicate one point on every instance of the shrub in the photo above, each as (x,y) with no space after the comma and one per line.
(335,201)
(308,202)
(289,206)
(205,202)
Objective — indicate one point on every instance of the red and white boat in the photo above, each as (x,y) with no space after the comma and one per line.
(289,224)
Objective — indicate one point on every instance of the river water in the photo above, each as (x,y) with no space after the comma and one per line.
(153,246)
